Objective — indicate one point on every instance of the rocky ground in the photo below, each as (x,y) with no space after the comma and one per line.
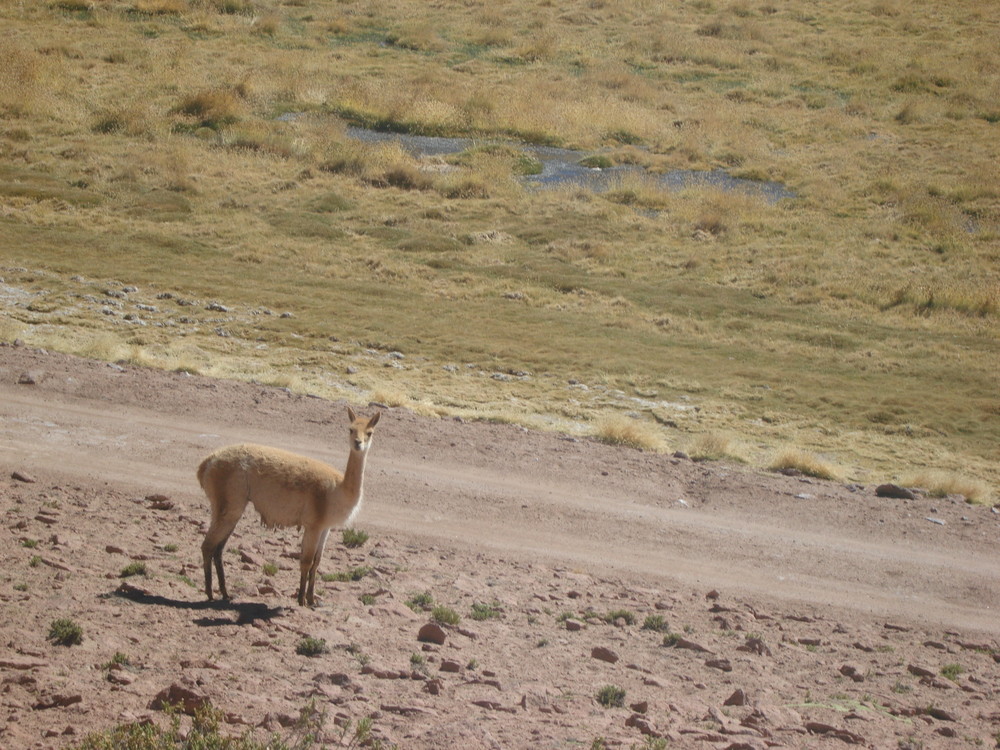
(720,607)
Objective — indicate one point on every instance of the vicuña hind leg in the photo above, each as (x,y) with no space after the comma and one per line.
(211,550)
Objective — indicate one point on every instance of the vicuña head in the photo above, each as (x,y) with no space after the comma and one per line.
(287,490)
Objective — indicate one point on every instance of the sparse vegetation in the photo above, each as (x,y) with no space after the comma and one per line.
(483,611)
(354,574)
(310,646)
(952,671)
(420,602)
(655,623)
(611,696)
(270,569)
(354,538)
(445,615)
(626,615)
(136,568)
(204,733)
(65,632)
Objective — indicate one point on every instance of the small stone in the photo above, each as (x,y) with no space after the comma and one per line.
(432,633)
(188,699)
(450,665)
(894,490)
(738,698)
(920,670)
(57,700)
(604,654)
(20,476)
(690,645)
(433,687)
(28,378)
(573,625)
(852,671)
(723,665)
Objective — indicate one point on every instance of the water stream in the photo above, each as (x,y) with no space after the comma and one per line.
(561,166)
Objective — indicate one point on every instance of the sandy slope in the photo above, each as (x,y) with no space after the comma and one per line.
(827,578)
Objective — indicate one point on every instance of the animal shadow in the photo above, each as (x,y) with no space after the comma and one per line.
(246,613)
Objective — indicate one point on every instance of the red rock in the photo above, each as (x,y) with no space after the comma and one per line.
(57,700)
(604,654)
(432,633)
(852,671)
(738,698)
(188,699)
(449,665)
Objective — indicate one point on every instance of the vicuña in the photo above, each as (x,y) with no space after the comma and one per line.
(287,490)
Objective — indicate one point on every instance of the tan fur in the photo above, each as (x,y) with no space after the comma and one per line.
(287,490)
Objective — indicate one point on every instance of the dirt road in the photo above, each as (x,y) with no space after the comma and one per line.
(516,499)
(536,495)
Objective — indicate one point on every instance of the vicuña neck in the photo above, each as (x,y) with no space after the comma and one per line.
(355,473)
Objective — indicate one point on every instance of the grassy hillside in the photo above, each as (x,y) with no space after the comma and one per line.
(146,174)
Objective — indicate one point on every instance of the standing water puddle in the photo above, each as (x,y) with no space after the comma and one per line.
(562,166)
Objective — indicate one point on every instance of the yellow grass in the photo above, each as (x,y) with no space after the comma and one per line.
(147,142)
(805,462)
(941,483)
(634,433)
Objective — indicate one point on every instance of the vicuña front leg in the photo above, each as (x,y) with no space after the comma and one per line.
(313,542)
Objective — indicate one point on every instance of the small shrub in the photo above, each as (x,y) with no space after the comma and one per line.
(445,616)
(367,599)
(952,671)
(310,646)
(620,614)
(655,622)
(133,569)
(418,662)
(65,632)
(611,696)
(35,561)
(29,543)
(354,537)
(20,587)
(118,658)
(483,611)
(270,569)
(170,548)
(670,639)
(420,602)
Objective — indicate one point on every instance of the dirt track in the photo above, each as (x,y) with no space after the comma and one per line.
(504,496)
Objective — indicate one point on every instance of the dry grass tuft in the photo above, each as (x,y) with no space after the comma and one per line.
(621,430)
(717,446)
(212,108)
(807,463)
(942,483)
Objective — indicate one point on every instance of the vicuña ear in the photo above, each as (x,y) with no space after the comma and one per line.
(351,414)
(374,420)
